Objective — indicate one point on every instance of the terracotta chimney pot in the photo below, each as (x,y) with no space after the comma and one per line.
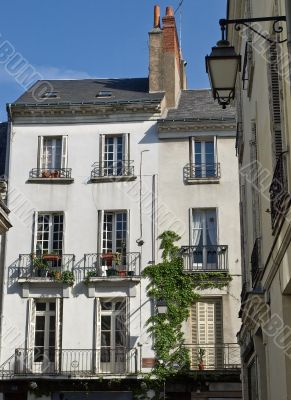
(169,11)
(157,15)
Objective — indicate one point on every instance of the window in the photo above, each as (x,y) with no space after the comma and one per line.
(113,334)
(49,233)
(114,232)
(204,158)
(52,152)
(204,238)
(43,335)
(104,93)
(50,95)
(207,332)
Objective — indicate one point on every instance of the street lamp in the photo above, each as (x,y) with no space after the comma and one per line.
(222,67)
(162,307)
(224,64)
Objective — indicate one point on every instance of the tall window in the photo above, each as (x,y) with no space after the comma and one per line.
(113,335)
(114,155)
(114,232)
(207,331)
(204,158)
(204,238)
(49,233)
(52,152)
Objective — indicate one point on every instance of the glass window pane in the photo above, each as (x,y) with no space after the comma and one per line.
(105,338)
(40,323)
(40,306)
(106,305)
(52,306)
(39,339)
(105,322)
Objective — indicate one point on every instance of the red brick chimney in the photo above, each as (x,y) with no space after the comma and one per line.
(166,69)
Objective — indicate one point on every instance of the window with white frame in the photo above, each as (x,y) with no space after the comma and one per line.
(52,152)
(49,232)
(114,155)
(114,238)
(204,237)
(204,158)
(43,334)
(113,334)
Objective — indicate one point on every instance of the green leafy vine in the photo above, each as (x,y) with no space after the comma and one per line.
(169,283)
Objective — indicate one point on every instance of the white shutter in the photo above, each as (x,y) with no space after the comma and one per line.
(31,311)
(64,151)
(100,231)
(58,337)
(64,231)
(190,226)
(40,155)
(97,333)
(126,146)
(35,225)
(101,150)
(215,149)
(128,231)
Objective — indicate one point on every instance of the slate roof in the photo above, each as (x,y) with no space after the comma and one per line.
(86,90)
(199,104)
(3,143)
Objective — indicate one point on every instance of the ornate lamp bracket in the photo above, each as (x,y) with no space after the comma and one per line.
(247,22)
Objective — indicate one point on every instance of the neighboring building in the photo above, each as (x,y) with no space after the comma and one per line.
(263,146)
(105,166)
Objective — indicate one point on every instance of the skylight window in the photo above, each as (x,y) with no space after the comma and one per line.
(50,95)
(104,93)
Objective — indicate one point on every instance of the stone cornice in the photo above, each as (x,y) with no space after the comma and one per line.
(196,125)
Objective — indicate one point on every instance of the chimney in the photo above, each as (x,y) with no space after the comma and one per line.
(166,70)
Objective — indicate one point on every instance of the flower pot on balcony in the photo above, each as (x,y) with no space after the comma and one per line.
(122,273)
(201,366)
(50,257)
(41,273)
(55,174)
(111,272)
(107,258)
(45,174)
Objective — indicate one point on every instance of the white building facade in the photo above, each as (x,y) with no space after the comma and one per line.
(103,167)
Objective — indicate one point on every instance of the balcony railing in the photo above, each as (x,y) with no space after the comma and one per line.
(45,265)
(279,197)
(201,171)
(72,362)
(112,265)
(205,258)
(213,357)
(109,169)
(51,173)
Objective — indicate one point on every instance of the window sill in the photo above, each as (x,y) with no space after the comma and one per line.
(37,284)
(58,181)
(101,179)
(197,181)
(113,285)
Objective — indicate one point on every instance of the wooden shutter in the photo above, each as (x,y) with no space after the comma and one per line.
(190,226)
(97,333)
(101,149)
(275,101)
(40,155)
(128,231)
(126,147)
(64,151)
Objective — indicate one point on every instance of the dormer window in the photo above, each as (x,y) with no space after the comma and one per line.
(104,93)
(50,95)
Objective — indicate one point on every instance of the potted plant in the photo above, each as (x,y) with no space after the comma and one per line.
(68,278)
(107,257)
(56,275)
(201,354)
(116,258)
(122,273)
(55,174)
(111,272)
(39,266)
(91,274)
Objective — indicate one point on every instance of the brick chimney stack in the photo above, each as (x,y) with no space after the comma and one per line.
(166,69)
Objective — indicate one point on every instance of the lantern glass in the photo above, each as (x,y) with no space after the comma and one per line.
(223,66)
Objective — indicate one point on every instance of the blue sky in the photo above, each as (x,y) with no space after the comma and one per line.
(93,38)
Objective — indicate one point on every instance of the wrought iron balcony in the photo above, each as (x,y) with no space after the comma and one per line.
(113,169)
(202,172)
(215,357)
(44,265)
(205,258)
(51,173)
(280,199)
(256,262)
(72,362)
(112,265)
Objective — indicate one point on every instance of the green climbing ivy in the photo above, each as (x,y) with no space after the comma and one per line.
(169,283)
